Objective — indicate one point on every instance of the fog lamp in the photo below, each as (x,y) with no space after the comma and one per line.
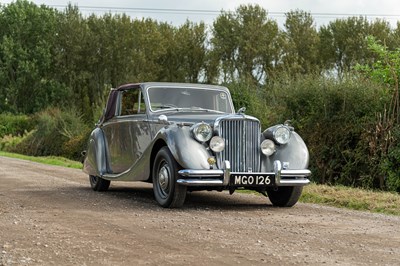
(217,144)
(268,147)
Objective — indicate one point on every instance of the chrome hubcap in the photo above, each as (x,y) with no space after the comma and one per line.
(163,178)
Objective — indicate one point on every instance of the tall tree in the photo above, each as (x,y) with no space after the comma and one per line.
(301,43)
(344,42)
(191,40)
(244,42)
(394,39)
(225,44)
(27,36)
(71,58)
(185,56)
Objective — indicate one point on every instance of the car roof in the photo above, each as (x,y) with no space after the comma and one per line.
(146,85)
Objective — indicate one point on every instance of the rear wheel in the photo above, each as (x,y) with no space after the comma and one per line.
(98,184)
(167,191)
(284,196)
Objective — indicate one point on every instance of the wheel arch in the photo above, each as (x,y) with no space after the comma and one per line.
(156,147)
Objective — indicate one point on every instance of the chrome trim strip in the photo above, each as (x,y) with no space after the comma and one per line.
(201,173)
(295,173)
(293,182)
(200,182)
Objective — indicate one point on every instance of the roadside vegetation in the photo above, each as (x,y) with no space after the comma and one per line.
(338,84)
(352,198)
(50,160)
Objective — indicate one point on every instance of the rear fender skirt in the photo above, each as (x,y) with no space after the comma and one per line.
(95,162)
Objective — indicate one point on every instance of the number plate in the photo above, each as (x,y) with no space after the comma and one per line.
(252,180)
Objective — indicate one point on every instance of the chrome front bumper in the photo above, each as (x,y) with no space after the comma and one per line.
(221,177)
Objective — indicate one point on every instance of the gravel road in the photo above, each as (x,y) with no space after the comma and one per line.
(50,216)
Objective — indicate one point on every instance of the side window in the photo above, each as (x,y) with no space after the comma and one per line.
(132,103)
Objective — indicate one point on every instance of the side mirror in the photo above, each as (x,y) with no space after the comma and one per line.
(163,119)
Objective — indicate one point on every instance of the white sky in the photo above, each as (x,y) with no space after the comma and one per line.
(387,9)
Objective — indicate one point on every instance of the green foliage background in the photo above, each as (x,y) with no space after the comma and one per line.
(56,68)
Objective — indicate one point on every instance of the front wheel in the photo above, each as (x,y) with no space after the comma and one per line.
(284,196)
(168,193)
(98,184)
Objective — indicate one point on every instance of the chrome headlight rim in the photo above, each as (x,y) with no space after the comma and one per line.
(268,147)
(202,132)
(217,144)
(282,135)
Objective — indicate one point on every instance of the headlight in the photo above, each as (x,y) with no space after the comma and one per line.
(282,135)
(202,132)
(217,144)
(268,147)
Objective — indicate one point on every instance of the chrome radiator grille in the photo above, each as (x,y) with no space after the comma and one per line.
(242,144)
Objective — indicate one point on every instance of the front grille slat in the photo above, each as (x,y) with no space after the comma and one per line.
(242,144)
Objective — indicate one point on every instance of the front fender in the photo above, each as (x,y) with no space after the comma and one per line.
(188,152)
(295,153)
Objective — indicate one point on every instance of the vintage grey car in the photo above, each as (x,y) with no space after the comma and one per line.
(188,137)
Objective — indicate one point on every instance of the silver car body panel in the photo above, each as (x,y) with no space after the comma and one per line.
(186,150)
(128,166)
(293,155)
(127,138)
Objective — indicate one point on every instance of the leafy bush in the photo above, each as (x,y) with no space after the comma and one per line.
(14,124)
(390,165)
(10,142)
(73,148)
(58,132)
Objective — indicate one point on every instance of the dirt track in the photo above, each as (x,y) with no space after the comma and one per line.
(49,216)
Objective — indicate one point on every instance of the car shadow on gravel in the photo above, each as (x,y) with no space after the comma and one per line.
(143,193)
(140,196)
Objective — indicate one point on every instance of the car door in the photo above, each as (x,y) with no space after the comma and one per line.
(128,133)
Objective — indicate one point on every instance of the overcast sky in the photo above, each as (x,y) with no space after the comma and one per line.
(207,10)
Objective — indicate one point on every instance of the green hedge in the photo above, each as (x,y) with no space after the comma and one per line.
(337,120)
(334,119)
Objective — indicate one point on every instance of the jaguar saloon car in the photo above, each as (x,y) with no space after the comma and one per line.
(188,137)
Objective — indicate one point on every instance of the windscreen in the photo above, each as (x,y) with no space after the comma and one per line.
(162,98)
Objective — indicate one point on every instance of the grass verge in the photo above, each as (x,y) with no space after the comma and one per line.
(352,198)
(51,160)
